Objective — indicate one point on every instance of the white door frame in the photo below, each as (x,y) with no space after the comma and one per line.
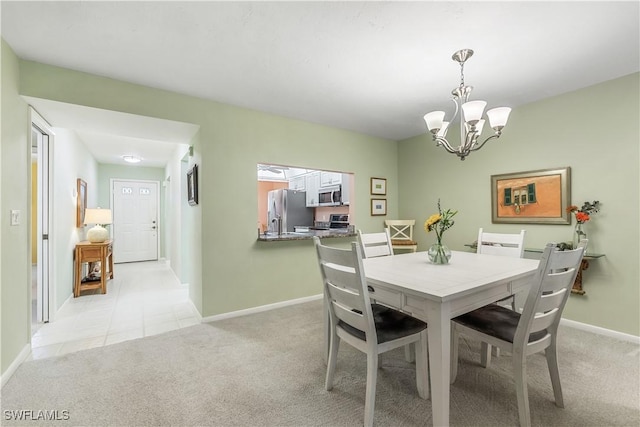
(45,233)
(159,225)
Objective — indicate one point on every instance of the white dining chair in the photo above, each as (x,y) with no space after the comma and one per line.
(401,232)
(375,244)
(502,244)
(532,331)
(370,328)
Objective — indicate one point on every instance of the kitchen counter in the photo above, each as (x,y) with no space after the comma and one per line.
(305,235)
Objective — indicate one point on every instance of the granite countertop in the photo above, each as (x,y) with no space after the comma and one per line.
(305,235)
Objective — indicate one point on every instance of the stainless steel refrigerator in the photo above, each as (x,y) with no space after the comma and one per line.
(288,208)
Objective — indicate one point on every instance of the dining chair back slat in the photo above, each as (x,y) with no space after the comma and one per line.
(550,301)
(352,317)
(342,278)
(375,244)
(505,244)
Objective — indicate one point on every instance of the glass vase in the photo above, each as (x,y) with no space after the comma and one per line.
(579,234)
(439,254)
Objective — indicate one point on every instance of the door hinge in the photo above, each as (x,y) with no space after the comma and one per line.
(45,237)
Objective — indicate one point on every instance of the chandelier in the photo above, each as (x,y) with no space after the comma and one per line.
(471,122)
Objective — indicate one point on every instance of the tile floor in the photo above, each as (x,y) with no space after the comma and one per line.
(142,299)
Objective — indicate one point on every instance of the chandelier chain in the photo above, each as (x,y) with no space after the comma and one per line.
(461,76)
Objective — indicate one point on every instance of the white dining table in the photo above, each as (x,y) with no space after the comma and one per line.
(438,293)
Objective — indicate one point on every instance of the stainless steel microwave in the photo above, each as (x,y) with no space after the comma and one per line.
(330,196)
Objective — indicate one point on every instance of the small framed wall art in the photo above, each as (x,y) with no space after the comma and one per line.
(378,207)
(192,185)
(81,202)
(378,186)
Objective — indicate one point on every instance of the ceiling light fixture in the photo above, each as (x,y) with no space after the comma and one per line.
(131,159)
(472,123)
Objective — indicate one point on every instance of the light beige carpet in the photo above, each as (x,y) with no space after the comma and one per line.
(267,369)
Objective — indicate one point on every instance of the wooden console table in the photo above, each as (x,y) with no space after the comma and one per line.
(89,253)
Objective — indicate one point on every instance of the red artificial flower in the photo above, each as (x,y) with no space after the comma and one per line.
(582,217)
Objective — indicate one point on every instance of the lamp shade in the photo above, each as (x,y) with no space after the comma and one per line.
(498,116)
(434,120)
(443,130)
(473,110)
(97,216)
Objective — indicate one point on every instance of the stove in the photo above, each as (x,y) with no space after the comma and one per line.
(340,221)
(336,222)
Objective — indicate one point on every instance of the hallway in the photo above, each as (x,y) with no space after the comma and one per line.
(143,299)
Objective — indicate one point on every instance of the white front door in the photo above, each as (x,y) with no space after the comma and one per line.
(135,221)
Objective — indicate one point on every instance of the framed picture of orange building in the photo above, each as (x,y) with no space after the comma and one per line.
(533,197)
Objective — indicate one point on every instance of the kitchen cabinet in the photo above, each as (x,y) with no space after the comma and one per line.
(297,183)
(330,178)
(346,186)
(312,188)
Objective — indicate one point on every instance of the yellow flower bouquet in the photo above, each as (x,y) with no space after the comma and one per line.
(439,222)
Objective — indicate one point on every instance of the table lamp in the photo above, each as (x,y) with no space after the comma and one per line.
(99,217)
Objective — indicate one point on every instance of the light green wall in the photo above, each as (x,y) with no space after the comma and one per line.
(235,271)
(595,131)
(256,273)
(74,161)
(106,172)
(15,258)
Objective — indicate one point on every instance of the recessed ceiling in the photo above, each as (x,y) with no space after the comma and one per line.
(109,135)
(370,67)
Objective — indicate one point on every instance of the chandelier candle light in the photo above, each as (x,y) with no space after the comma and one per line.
(471,122)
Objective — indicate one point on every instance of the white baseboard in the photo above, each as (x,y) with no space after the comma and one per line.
(566,322)
(22,356)
(260,309)
(600,331)
(195,310)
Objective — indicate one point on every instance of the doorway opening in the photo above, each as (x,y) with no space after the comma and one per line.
(40,286)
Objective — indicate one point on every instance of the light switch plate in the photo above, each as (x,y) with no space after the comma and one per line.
(15,217)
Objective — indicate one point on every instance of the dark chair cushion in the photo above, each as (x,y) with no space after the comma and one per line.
(390,324)
(497,321)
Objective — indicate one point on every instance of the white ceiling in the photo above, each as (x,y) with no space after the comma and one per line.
(109,135)
(370,67)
